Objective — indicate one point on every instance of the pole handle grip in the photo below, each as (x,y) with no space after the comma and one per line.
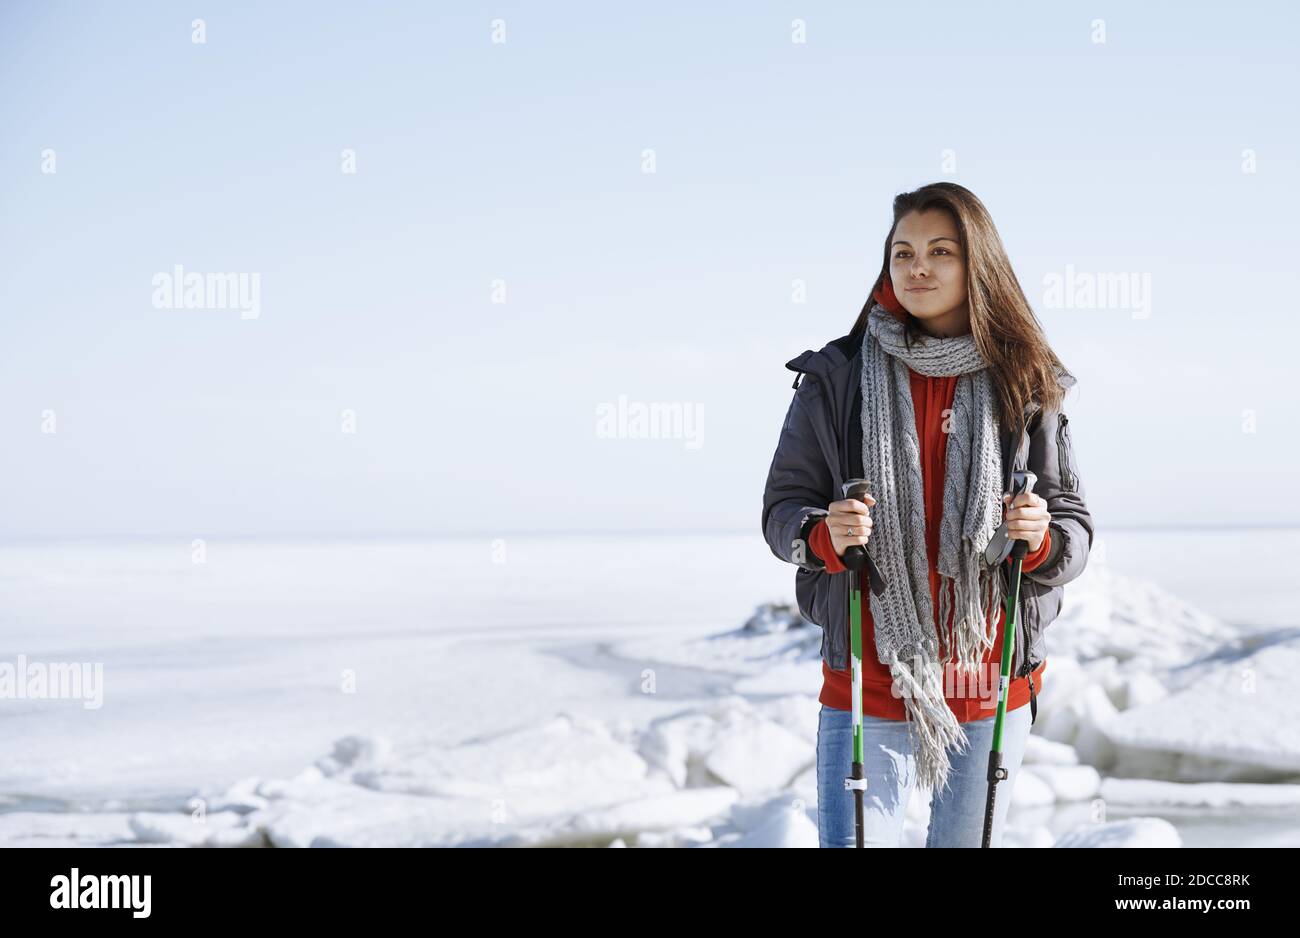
(857,557)
(1000,545)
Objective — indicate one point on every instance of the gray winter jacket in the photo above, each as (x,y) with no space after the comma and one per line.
(821,445)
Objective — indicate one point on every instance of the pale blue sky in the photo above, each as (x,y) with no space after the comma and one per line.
(522,161)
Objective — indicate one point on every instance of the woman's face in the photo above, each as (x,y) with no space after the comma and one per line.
(927,268)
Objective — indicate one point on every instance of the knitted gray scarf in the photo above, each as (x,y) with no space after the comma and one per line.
(907,639)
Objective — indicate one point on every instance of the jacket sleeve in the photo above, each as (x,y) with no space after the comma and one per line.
(1053,461)
(798,482)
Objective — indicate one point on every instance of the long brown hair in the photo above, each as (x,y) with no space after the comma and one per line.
(1006,332)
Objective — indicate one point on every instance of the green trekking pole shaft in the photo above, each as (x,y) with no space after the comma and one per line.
(857,780)
(1022,482)
(855,558)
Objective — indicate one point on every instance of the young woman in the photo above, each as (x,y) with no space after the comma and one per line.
(945,385)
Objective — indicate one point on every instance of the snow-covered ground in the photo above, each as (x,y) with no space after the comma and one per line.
(594,692)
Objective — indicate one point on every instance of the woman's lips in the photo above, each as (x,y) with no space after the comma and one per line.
(918,289)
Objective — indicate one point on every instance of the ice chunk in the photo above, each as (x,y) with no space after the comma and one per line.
(1131,832)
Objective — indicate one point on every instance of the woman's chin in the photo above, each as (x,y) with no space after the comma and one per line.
(925,307)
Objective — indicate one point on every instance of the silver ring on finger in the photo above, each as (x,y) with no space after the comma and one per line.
(850,532)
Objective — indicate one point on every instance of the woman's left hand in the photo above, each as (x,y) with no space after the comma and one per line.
(1027,519)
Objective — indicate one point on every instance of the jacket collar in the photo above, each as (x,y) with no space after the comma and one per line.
(832,355)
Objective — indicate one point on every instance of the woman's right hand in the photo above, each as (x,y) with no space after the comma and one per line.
(845,514)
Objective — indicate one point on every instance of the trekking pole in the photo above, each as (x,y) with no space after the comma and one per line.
(1001,546)
(855,558)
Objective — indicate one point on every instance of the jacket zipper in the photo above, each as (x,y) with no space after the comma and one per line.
(1022,624)
(1063,453)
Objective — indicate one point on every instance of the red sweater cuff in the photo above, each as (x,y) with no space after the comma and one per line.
(820,542)
(1037,557)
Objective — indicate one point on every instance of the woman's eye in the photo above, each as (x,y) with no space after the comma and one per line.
(901,254)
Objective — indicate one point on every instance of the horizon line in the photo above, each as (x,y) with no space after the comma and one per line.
(18,538)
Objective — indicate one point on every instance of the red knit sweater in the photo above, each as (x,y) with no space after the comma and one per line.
(969,697)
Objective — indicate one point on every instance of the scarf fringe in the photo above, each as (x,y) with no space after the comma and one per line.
(931,722)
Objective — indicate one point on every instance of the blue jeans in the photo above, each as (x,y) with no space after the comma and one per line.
(956,816)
